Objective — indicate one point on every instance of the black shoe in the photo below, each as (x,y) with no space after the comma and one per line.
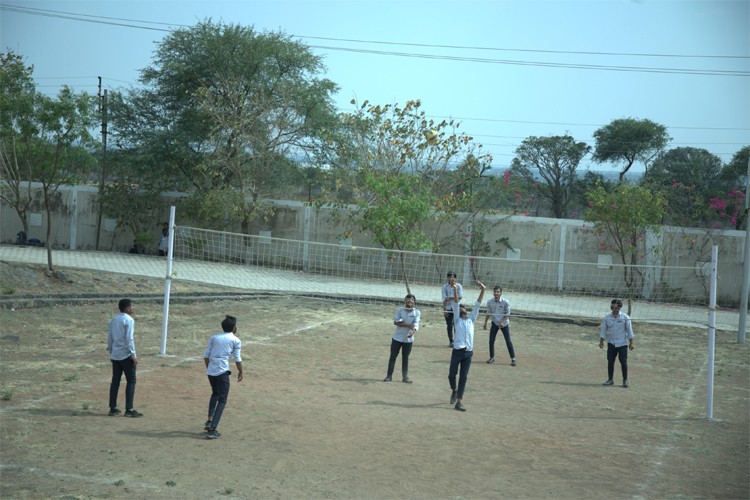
(490,361)
(608,382)
(406,380)
(213,434)
(388,379)
(459,407)
(132,413)
(454,395)
(207,426)
(625,384)
(513,362)
(113,412)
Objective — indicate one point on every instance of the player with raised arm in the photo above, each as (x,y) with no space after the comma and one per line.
(463,345)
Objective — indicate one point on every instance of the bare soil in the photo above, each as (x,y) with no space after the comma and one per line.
(313,418)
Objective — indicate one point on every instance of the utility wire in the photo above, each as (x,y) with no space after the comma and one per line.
(685,71)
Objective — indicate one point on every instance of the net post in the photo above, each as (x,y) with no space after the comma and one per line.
(167,283)
(711,334)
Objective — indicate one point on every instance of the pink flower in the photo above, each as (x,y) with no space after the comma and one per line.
(518,195)
(601,245)
(526,213)
(507,177)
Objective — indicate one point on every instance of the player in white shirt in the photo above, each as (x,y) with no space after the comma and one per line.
(221,348)
(617,330)
(498,308)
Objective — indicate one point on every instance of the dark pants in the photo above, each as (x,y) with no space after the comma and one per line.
(449,325)
(612,353)
(508,343)
(219,394)
(459,358)
(127,367)
(396,346)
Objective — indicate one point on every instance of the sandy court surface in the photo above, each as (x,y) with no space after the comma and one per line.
(313,417)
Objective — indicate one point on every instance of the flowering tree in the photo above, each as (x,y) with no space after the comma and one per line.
(730,208)
(398,179)
(623,217)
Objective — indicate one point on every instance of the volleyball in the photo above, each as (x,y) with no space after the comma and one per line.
(430,135)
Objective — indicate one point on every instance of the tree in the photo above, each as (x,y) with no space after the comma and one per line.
(225,109)
(551,161)
(730,203)
(628,140)
(58,146)
(17,92)
(623,217)
(43,139)
(734,174)
(687,178)
(398,180)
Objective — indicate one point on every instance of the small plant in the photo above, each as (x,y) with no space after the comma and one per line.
(354,259)
(6,394)
(119,482)
(228,490)
(171,483)
(8,290)
(85,405)
(71,378)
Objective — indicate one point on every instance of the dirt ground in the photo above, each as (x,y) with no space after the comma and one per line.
(314,419)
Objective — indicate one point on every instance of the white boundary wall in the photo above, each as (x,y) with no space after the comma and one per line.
(531,238)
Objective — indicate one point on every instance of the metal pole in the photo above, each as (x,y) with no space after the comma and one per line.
(102,174)
(711,334)
(167,283)
(746,266)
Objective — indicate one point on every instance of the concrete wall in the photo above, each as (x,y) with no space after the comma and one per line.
(554,245)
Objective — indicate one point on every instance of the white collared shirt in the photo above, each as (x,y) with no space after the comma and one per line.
(447,293)
(403,316)
(463,333)
(498,309)
(616,330)
(120,341)
(221,347)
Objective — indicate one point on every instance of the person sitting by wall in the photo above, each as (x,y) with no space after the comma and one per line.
(137,248)
(32,242)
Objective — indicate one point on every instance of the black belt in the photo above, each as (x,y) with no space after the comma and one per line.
(460,349)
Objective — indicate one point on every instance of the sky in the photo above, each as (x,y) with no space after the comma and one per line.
(505,70)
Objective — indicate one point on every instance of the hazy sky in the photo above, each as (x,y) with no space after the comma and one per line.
(506,70)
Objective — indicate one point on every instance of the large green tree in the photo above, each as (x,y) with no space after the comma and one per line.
(223,111)
(553,162)
(628,140)
(687,178)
